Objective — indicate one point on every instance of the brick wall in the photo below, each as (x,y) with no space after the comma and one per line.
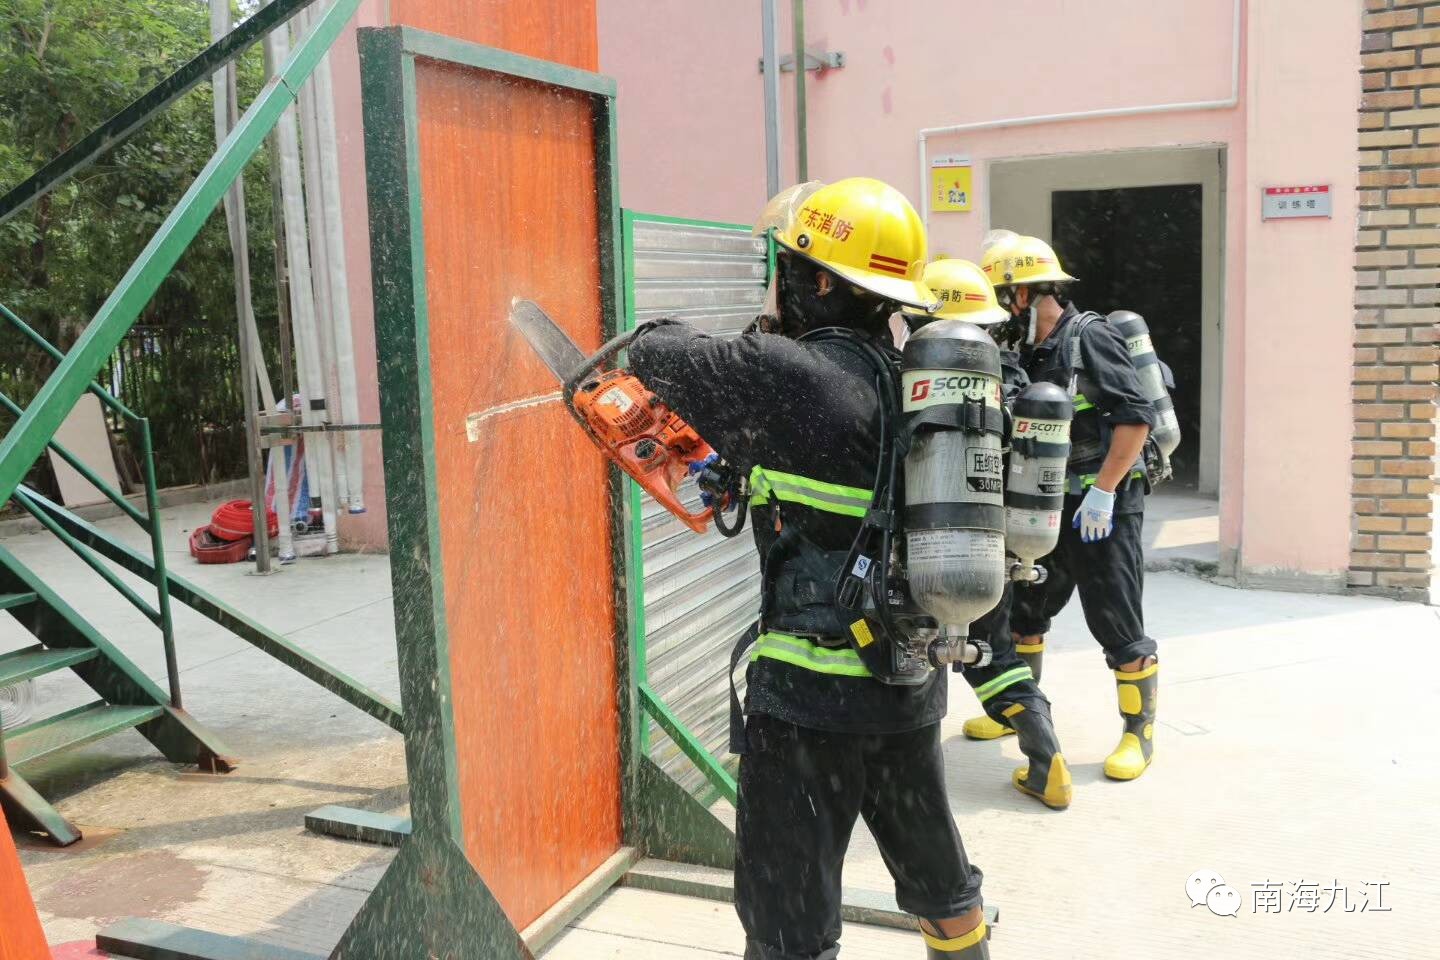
(1397,300)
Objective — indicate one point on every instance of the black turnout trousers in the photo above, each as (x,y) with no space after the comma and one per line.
(800,793)
(1006,680)
(1109,574)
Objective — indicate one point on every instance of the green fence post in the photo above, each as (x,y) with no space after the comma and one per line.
(157,553)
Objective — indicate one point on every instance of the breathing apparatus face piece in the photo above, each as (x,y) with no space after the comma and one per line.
(1020,328)
(806,300)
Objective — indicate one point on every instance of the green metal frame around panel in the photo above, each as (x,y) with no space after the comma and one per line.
(689,744)
(408,915)
(719,778)
(27,439)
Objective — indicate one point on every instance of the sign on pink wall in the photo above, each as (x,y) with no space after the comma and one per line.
(1289,203)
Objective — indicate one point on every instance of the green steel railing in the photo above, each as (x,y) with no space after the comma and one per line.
(149,521)
(32,433)
(34,430)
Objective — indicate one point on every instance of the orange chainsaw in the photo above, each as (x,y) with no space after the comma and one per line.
(630,425)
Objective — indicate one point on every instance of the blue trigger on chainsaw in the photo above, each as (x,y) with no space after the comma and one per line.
(699,467)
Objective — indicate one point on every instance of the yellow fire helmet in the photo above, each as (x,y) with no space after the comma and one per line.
(868,233)
(963,291)
(1023,260)
(784,207)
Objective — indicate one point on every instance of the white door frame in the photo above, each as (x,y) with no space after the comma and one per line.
(1019,199)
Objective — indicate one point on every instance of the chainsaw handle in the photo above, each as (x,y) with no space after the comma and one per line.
(607,352)
(660,475)
(698,522)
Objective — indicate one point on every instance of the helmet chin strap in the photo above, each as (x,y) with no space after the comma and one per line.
(1030,333)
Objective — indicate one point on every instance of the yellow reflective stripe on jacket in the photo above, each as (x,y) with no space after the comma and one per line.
(1007,679)
(1082,403)
(793,488)
(1087,480)
(800,652)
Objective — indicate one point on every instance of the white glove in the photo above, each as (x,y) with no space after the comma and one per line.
(1094,519)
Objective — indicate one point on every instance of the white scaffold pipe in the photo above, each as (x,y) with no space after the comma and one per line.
(309,371)
(344,357)
(337,490)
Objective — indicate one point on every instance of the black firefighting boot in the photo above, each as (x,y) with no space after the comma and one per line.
(1046,778)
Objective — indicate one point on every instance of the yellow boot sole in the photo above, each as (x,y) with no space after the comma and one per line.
(983,728)
(1058,790)
(1129,760)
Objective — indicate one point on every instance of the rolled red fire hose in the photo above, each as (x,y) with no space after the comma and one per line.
(236,521)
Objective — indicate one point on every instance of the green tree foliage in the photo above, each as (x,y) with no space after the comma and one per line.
(66,66)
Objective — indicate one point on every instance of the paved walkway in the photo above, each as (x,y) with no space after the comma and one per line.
(1182,530)
(1285,758)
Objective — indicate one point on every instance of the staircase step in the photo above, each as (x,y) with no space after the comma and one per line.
(37,660)
(72,728)
(8,600)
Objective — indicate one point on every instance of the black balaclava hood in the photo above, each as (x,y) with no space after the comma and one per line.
(802,308)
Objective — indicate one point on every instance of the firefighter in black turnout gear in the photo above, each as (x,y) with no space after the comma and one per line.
(824,740)
(1008,688)
(1100,554)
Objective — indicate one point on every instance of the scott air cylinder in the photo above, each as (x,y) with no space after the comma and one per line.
(954,508)
(1152,382)
(1035,495)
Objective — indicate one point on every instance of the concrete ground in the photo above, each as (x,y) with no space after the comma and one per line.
(1288,754)
(1182,530)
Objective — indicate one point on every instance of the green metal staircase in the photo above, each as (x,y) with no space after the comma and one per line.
(128,699)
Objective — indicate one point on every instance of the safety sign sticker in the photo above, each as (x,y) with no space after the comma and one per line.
(950,188)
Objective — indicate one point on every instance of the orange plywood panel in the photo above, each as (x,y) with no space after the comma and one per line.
(509,209)
(560,30)
(20,935)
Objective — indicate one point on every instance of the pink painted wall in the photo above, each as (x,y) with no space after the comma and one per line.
(691,117)
(1303,93)
(690,99)
(692,144)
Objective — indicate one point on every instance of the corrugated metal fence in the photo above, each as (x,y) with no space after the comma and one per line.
(697,594)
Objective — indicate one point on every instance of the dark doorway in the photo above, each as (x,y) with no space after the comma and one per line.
(1139,249)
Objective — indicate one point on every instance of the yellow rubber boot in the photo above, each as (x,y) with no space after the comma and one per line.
(984,728)
(1046,777)
(1137,693)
